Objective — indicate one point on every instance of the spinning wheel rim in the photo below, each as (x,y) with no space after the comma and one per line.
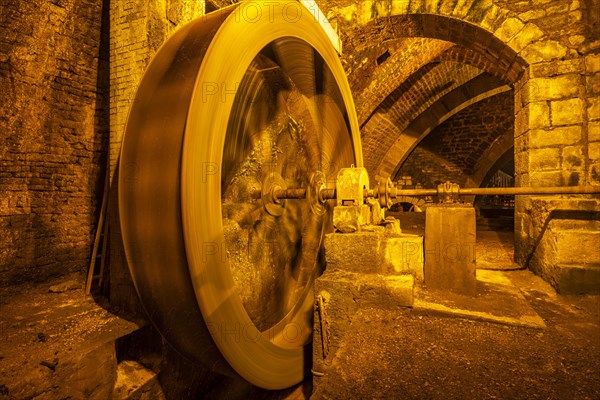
(268,359)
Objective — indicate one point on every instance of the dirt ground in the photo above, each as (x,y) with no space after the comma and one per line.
(413,355)
(50,337)
(421,354)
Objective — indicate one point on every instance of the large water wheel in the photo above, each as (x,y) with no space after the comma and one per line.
(234,104)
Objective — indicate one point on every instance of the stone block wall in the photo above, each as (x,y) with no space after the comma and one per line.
(557,144)
(54,132)
(557,125)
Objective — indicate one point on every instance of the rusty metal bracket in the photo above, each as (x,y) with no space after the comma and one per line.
(448,192)
(384,196)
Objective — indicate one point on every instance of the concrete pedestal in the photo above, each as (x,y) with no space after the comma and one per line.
(450,248)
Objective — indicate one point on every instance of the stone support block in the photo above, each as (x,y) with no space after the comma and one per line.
(577,247)
(577,279)
(450,248)
(404,255)
(358,252)
(375,253)
(560,241)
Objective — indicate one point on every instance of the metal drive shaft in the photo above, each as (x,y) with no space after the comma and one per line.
(328,194)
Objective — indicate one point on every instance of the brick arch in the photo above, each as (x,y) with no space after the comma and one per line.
(369,93)
(484,27)
(461,151)
(474,91)
(417,202)
(483,33)
(496,155)
(500,151)
(491,165)
(368,98)
(384,129)
(490,37)
(464,55)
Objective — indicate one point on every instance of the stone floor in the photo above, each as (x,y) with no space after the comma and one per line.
(423,354)
(495,250)
(56,342)
(517,338)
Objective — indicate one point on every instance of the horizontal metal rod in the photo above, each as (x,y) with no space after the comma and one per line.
(530,190)
(327,194)
(282,194)
(395,192)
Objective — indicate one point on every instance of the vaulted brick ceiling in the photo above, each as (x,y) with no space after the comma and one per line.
(464,137)
(406,88)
